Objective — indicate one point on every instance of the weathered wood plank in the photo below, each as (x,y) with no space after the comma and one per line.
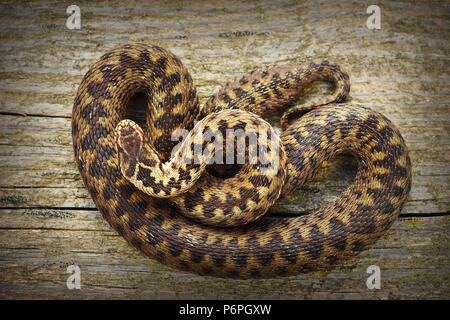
(48,221)
(47,241)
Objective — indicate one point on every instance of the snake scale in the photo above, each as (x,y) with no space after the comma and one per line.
(177,213)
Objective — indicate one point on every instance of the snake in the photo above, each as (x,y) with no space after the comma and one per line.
(177,211)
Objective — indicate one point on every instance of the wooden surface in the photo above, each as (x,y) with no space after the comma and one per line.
(48,221)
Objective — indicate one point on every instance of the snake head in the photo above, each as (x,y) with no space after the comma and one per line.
(134,152)
(129,137)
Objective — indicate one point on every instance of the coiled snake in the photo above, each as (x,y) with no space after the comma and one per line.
(128,170)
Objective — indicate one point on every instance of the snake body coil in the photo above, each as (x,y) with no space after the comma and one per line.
(124,177)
